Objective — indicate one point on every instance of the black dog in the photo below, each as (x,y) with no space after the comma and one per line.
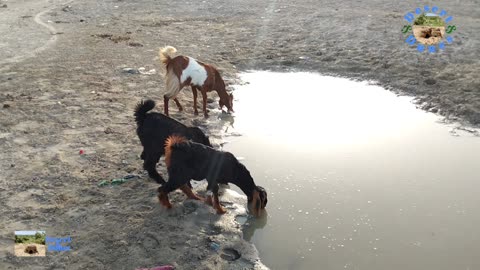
(188,160)
(153,129)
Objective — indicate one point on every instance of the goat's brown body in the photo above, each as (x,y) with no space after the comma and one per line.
(176,66)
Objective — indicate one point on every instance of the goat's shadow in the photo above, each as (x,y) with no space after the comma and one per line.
(228,120)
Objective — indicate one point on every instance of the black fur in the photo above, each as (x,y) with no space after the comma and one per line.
(153,129)
(190,160)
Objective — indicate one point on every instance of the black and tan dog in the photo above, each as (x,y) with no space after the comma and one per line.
(188,160)
(153,129)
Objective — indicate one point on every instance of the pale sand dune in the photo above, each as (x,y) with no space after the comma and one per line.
(20,250)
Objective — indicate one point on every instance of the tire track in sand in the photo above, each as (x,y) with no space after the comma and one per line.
(32,53)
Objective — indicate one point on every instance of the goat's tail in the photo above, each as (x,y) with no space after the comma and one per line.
(141,110)
(166,54)
(171,144)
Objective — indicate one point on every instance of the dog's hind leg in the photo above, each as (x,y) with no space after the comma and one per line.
(190,194)
(150,164)
(176,179)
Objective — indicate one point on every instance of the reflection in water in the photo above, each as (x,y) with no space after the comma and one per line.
(357,178)
(228,119)
(252,224)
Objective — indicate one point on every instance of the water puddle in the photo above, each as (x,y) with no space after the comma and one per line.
(358,178)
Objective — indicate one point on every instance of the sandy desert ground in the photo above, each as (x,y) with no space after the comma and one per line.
(64,88)
(20,250)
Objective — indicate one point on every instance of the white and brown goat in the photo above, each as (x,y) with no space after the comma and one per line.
(186,71)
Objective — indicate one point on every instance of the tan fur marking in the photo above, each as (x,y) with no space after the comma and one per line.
(255,201)
(172,140)
(190,194)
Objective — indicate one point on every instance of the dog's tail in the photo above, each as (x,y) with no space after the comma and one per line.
(141,110)
(166,54)
(174,142)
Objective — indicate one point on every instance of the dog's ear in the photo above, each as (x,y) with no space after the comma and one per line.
(256,205)
(263,196)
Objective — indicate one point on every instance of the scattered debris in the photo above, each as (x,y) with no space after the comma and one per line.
(135,44)
(142,71)
(117,39)
(430,81)
(4,6)
(81,152)
(108,130)
(131,70)
(117,181)
(113,38)
(215,246)
(6,106)
(163,267)
(103,183)
(67,9)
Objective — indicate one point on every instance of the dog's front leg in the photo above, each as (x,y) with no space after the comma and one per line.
(163,198)
(213,188)
(216,204)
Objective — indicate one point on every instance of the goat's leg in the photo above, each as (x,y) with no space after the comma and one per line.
(194,91)
(180,108)
(204,96)
(165,104)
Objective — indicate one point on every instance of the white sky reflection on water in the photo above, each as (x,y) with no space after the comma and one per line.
(357,177)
